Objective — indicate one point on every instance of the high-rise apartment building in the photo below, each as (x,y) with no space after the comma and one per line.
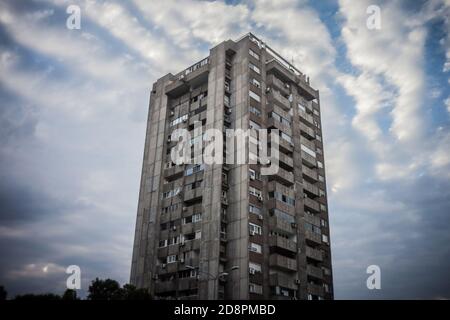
(226,231)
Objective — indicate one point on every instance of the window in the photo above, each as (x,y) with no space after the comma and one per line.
(172,258)
(308,151)
(254,191)
(282,215)
(321,193)
(254,209)
(163,243)
(198,234)
(255,288)
(312,228)
(301,107)
(255,111)
(254,125)
(286,137)
(254,68)
(197,217)
(283,198)
(194,169)
(326,271)
(254,267)
(323,207)
(253,54)
(171,193)
(254,96)
(179,120)
(254,175)
(316,112)
(318,137)
(253,247)
(255,82)
(320,164)
(323,223)
(254,228)
(325,238)
(226,100)
(321,178)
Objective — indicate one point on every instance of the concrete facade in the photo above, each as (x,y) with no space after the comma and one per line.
(224,231)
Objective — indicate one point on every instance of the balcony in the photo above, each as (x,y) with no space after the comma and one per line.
(283,145)
(312,219)
(309,174)
(305,89)
(313,237)
(314,254)
(274,123)
(276,98)
(308,160)
(276,204)
(283,243)
(281,280)
(282,263)
(187,284)
(198,117)
(174,172)
(307,131)
(314,272)
(193,194)
(305,117)
(308,143)
(284,177)
(286,160)
(315,289)
(277,224)
(311,204)
(277,84)
(164,286)
(280,71)
(310,188)
(190,77)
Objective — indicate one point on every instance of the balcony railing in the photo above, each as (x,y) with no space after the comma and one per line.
(315,289)
(276,83)
(313,237)
(277,224)
(310,188)
(284,177)
(314,254)
(311,204)
(310,174)
(314,272)
(276,98)
(308,160)
(307,131)
(282,243)
(282,262)
(282,280)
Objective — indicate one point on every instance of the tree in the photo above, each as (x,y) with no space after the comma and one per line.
(38,297)
(105,290)
(3,293)
(70,294)
(133,293)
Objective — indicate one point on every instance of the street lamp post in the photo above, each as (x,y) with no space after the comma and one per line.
(211,276)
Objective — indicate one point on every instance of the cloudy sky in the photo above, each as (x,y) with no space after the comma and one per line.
(73,106)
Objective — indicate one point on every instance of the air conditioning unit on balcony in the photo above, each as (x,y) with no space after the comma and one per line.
(181,260)
(297,281)
(169,139)
(260,198)
(174,228)
(163,265)
(251,271)
(172,113)
(260,216)
(252,233)
(293,225)
(185,208)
